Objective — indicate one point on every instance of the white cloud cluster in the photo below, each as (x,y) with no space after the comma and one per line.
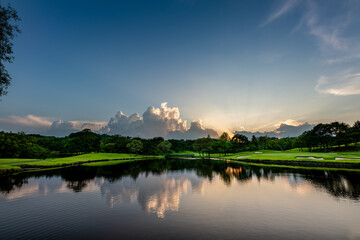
(43,125)
(291,122)
(288,128)
(63,128)
(29,123)
(196,130)
(345,83)
(156,122)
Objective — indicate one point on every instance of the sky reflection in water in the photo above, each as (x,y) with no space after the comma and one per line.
(223,198)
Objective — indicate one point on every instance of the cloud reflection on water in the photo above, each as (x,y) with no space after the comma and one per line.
(158,190)
(155,194)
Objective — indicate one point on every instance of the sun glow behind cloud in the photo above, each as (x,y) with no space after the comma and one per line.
(155,122)
(285,66)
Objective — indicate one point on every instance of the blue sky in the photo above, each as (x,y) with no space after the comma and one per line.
(234,65)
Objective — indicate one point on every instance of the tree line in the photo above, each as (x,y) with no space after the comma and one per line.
(335,136)
(21,145)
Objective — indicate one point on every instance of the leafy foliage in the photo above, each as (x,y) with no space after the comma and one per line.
(334,136)
(135,146)
(164,146)
(204,145)
(8,30)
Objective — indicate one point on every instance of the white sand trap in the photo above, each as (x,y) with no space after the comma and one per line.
(258,152)
(243,156)
(311,158)
(341,158)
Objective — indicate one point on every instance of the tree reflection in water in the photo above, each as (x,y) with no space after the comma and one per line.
(337,183)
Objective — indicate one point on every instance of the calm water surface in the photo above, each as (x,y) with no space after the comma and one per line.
(180,199)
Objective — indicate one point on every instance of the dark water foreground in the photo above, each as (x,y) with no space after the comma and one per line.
(180,199)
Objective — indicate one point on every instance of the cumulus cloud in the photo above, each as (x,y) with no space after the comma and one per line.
(283,130)
(196,130)
(63,128)
(29,123)
(156,122)
(43,125)
(292,131)
(291,122)
(345,83)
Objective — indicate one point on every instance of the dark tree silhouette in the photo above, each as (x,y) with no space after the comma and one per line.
(8,30)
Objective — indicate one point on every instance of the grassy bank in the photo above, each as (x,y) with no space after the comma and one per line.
(9,167)
(295,167)
(91,159)
(296,159)
(295,155)
(351,160)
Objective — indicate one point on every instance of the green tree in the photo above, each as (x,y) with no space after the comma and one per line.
(8,30)
(224,137)
(355,132)
(254,143)
(240,141)
(135,146)
(203,145)
(341,133)
(164,146)
(114,144)
(84,141)
(224,145)
(221,147)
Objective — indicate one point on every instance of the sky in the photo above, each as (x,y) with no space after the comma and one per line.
(219,65)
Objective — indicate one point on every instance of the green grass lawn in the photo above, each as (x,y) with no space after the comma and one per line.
(9,167)
(69,160)
(297,167)
(293,154)
(110,163)
(117,158)
(287,155)
(196,154)
(16,160)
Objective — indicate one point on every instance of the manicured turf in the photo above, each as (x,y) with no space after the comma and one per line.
(298,167)
(110,163)
(117,158)
(15,160)
(293,154)
(196,154)
(69,160)
(9,167)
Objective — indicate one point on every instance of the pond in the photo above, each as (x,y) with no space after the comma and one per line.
(180,199)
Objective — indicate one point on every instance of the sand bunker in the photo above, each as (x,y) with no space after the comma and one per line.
(341,158)
(258,152)
(311,158)
(243,156)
